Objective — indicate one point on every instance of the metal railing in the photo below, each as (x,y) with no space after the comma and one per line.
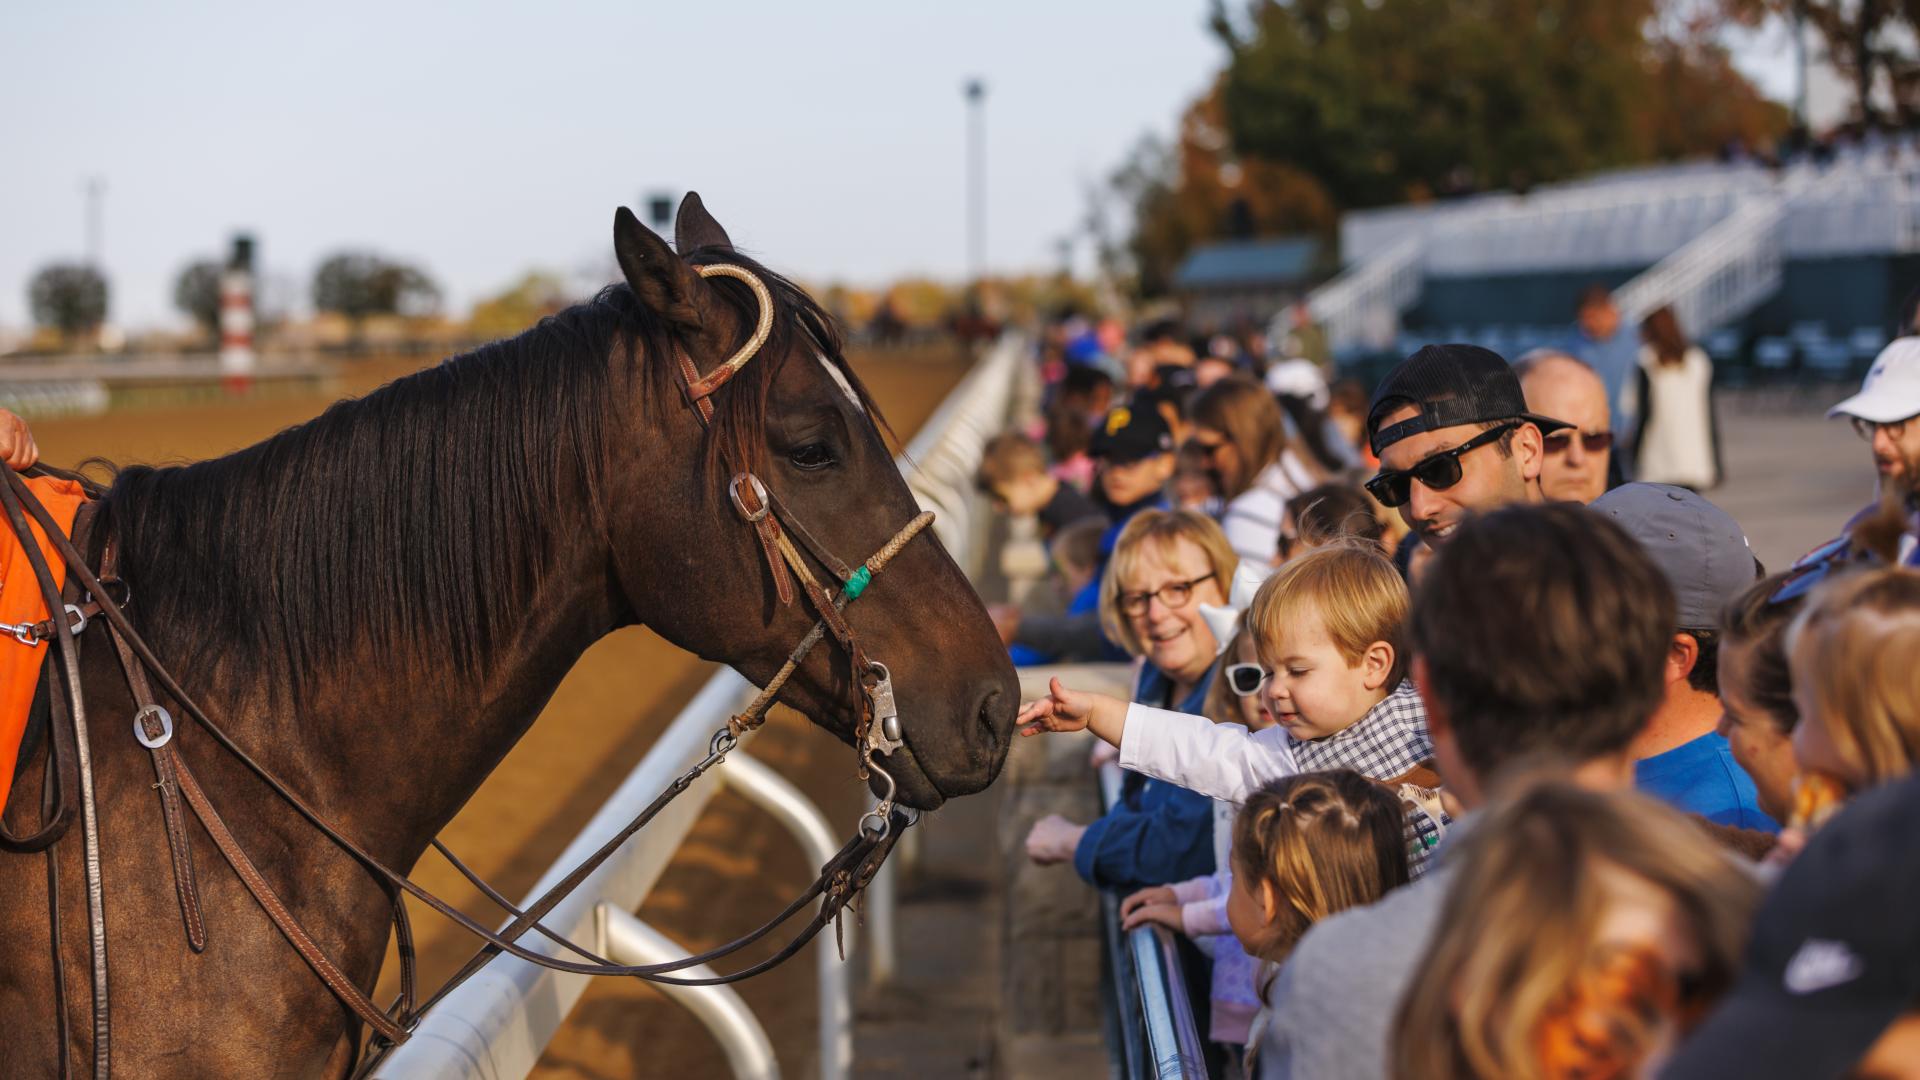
(1153,1016)
(498,1023)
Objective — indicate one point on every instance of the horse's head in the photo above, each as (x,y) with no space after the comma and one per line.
(693,567)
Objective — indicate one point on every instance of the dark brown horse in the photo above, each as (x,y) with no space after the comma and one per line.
(377,603)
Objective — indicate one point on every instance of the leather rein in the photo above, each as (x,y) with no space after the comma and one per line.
(103,596)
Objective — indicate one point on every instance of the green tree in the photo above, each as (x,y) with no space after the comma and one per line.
(358,284)
(196,292)
(1385,101)
(68,297)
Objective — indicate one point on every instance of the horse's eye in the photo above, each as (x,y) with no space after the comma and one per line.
(811,456)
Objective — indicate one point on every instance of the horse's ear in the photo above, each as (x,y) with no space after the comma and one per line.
(662,280)
(694,228)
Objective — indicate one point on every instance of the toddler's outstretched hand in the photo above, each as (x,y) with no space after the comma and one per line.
(1061,710)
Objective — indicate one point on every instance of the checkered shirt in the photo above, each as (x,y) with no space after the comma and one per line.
(1389,741)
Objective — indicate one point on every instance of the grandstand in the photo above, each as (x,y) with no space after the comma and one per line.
(1796,269)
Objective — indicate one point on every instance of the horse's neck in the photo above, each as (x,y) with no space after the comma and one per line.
(406,746)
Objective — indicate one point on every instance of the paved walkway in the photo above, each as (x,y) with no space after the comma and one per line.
(1793,476)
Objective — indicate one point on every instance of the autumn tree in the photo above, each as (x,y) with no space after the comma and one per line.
(68,297)
(1201,188)
(535,296)
(1869,42)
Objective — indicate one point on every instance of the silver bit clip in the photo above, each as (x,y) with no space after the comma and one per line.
(883,735)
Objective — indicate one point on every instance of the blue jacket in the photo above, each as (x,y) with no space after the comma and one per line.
(1158,833)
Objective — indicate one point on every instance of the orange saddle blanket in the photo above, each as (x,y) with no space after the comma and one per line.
(21,602)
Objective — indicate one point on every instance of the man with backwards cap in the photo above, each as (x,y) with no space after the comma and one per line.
(1454,437)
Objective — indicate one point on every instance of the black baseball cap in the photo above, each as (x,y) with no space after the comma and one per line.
(1131,433)
(1835,955)
(1450,385)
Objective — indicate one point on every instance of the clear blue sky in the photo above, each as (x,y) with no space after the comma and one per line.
(483,139)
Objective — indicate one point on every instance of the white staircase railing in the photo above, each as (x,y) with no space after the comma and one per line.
(1718,276)
(1362,306)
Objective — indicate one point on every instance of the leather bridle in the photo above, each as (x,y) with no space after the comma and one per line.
(877,732)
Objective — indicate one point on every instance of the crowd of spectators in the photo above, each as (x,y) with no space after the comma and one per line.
(1457,750)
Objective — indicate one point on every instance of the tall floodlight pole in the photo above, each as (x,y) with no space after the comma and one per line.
(94,188)
(1800,63)
(976,92)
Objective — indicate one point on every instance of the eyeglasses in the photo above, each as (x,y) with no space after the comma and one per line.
(1245,679)
(1437,472)
(1174,594)
(1865,428)
(1593,442)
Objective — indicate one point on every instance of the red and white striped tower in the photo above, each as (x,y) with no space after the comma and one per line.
(236,317)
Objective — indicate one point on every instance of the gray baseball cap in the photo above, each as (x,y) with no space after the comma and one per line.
(1701,550)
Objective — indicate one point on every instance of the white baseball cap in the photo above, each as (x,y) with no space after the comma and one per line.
(1891,390)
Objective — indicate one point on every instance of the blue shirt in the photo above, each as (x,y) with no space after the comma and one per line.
(1702,778)
(1157,833)
(1615,360)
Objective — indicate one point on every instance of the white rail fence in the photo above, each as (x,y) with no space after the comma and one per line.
(499,1022)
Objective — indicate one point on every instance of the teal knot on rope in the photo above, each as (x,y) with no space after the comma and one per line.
(857,583)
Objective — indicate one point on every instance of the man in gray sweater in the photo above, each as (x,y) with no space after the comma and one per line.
(1539,638)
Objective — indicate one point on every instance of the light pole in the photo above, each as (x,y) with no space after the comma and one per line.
(976,94)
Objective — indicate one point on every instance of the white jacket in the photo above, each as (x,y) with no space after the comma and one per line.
(1221,761)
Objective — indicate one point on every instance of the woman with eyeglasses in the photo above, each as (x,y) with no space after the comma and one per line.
(1678,441)
(1165,565)
(1255,463)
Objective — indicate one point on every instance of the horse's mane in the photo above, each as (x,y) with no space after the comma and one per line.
(411,520)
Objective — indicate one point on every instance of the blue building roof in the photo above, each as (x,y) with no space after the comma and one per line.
(1247,263)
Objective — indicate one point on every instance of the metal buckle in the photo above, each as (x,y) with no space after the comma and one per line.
(754,517)
(22,633)
(79,620)
(166,727)
(883,734)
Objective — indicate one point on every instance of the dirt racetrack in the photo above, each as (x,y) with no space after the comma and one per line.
(736,868)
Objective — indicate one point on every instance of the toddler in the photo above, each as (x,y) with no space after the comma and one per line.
(1310,846)
(1327,629)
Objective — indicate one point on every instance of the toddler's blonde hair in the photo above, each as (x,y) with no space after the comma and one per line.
(1322,842)
(1862,633)
(1356,593)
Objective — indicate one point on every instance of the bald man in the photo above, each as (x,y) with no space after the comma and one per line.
(1578,457)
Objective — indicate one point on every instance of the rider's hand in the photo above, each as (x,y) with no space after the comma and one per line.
(17,449)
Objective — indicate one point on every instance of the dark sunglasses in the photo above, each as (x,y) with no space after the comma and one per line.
(1245,679)
(1437,472)
(1593,442)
